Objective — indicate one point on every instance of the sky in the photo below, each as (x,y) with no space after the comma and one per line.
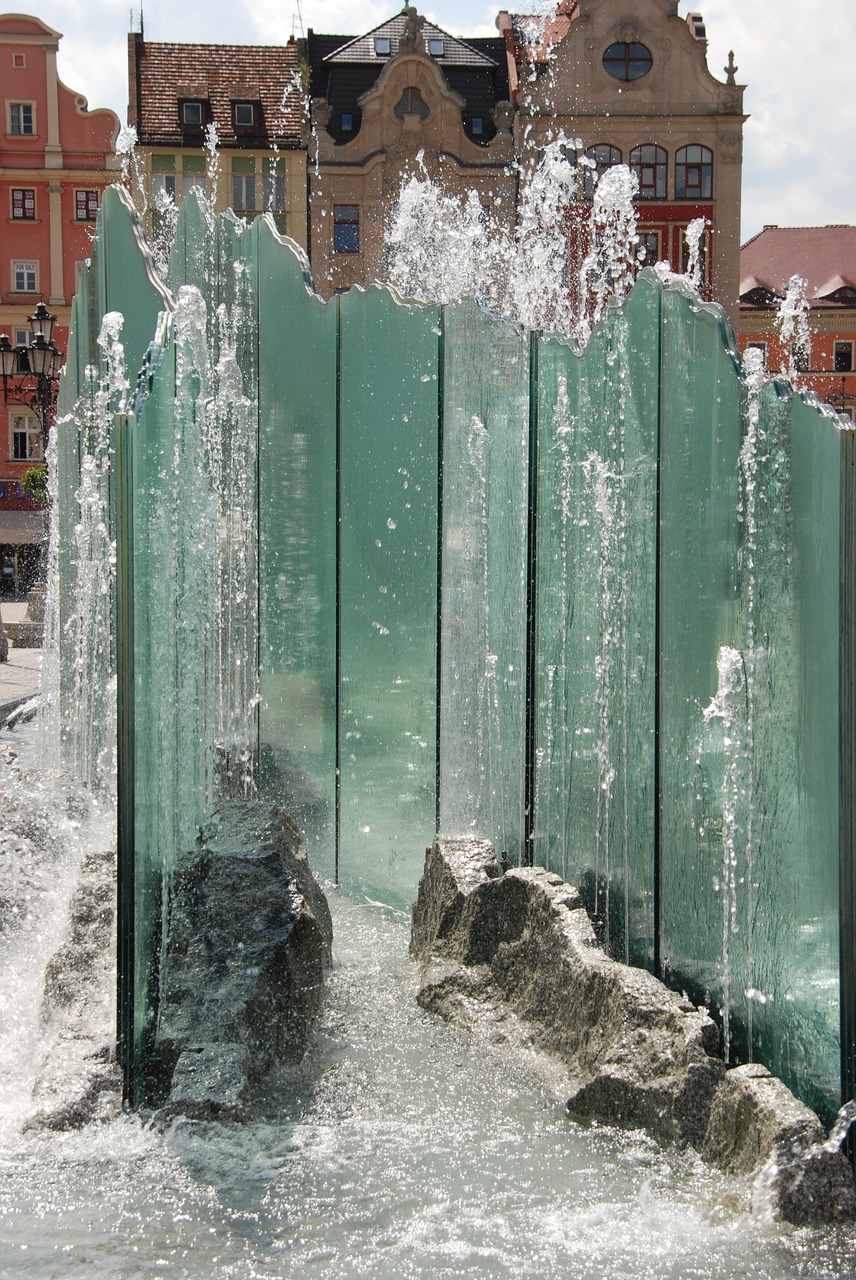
(794,56)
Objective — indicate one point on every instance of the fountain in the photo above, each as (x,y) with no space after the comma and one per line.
(410,567)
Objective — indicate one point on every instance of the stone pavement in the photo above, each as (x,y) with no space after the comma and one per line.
(20,676)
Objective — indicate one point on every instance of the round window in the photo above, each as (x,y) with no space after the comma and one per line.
(627,61)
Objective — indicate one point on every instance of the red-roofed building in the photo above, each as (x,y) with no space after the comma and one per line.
(55,157)
(825,258)
(253,95)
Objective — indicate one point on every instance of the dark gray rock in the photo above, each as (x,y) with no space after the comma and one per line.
(210,1082)
(248,936)
(636,1052)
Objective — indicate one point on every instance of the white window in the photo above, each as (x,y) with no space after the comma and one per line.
(22,118)
(382,46)
(191,113)
(25,276)
(436,47)
(759,346)
(25,438)
(19,60)
(244,191)
(244,115)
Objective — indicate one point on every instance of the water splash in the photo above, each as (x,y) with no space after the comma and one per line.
(728,707)
(794,331)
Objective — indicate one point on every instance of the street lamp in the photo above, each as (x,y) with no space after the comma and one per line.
(37,361)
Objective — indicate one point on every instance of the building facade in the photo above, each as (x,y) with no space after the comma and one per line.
(825,258)
(403,99)
(55,158)
(253,96)
(631,85)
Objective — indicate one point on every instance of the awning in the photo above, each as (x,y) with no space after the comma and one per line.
(18,528)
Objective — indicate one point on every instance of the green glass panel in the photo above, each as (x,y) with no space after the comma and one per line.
(126,280)
(297,529)
(594,749)
(485,473)
(388,380)
(786,1000)
(700,439)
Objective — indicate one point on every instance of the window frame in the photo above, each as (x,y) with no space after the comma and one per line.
(703,189)
(758,344)
(245,183)
(340,220)
(200,107)
(32,435)
(90,204)
(436,52)
(21,106)
(385,52)
(841,344)
(237,107)
(628,60)
(24,267)
(600,165)
(659,165)
(23,216)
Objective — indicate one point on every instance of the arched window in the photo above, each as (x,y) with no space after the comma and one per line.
(693,173)
(649,163)
(604,155)
(411,103)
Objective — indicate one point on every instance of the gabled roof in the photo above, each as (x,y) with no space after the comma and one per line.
(456,53)
(219,74)
(824,256)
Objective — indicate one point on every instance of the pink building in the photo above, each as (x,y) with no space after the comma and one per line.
(54,157)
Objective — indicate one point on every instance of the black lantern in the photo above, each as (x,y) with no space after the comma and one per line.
(30,371)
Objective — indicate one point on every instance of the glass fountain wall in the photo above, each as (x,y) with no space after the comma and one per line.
(404,568)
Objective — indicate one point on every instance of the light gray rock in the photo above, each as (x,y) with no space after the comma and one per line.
(248,936)
(757,1127)
(79,1081)
(515,957)
(637,1053)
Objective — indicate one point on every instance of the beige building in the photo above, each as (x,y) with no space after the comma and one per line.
(406,98)
(252,96)
(633,85)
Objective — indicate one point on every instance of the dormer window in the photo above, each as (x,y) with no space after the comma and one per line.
(244,115)
(347,122)
(191,114)
(382,46)
(436,47)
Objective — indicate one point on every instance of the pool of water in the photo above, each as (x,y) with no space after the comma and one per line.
(400,1148)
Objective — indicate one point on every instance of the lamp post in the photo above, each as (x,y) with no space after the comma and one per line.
(30,371)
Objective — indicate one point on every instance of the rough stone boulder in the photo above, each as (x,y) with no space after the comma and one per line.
(516,957)
(248,936)
(79,1081)
(758,1127)
(635,1052)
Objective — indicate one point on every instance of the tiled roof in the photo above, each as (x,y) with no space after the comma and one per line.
(218,74)
(824,256)
(536,34)
(456,53)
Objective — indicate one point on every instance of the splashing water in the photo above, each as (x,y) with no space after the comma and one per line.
(794,330)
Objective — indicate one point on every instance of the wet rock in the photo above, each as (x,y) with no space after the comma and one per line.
(249,933)
(210,1082)
(79,1081)
(515,958)
(757,1127)
(635,1052)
